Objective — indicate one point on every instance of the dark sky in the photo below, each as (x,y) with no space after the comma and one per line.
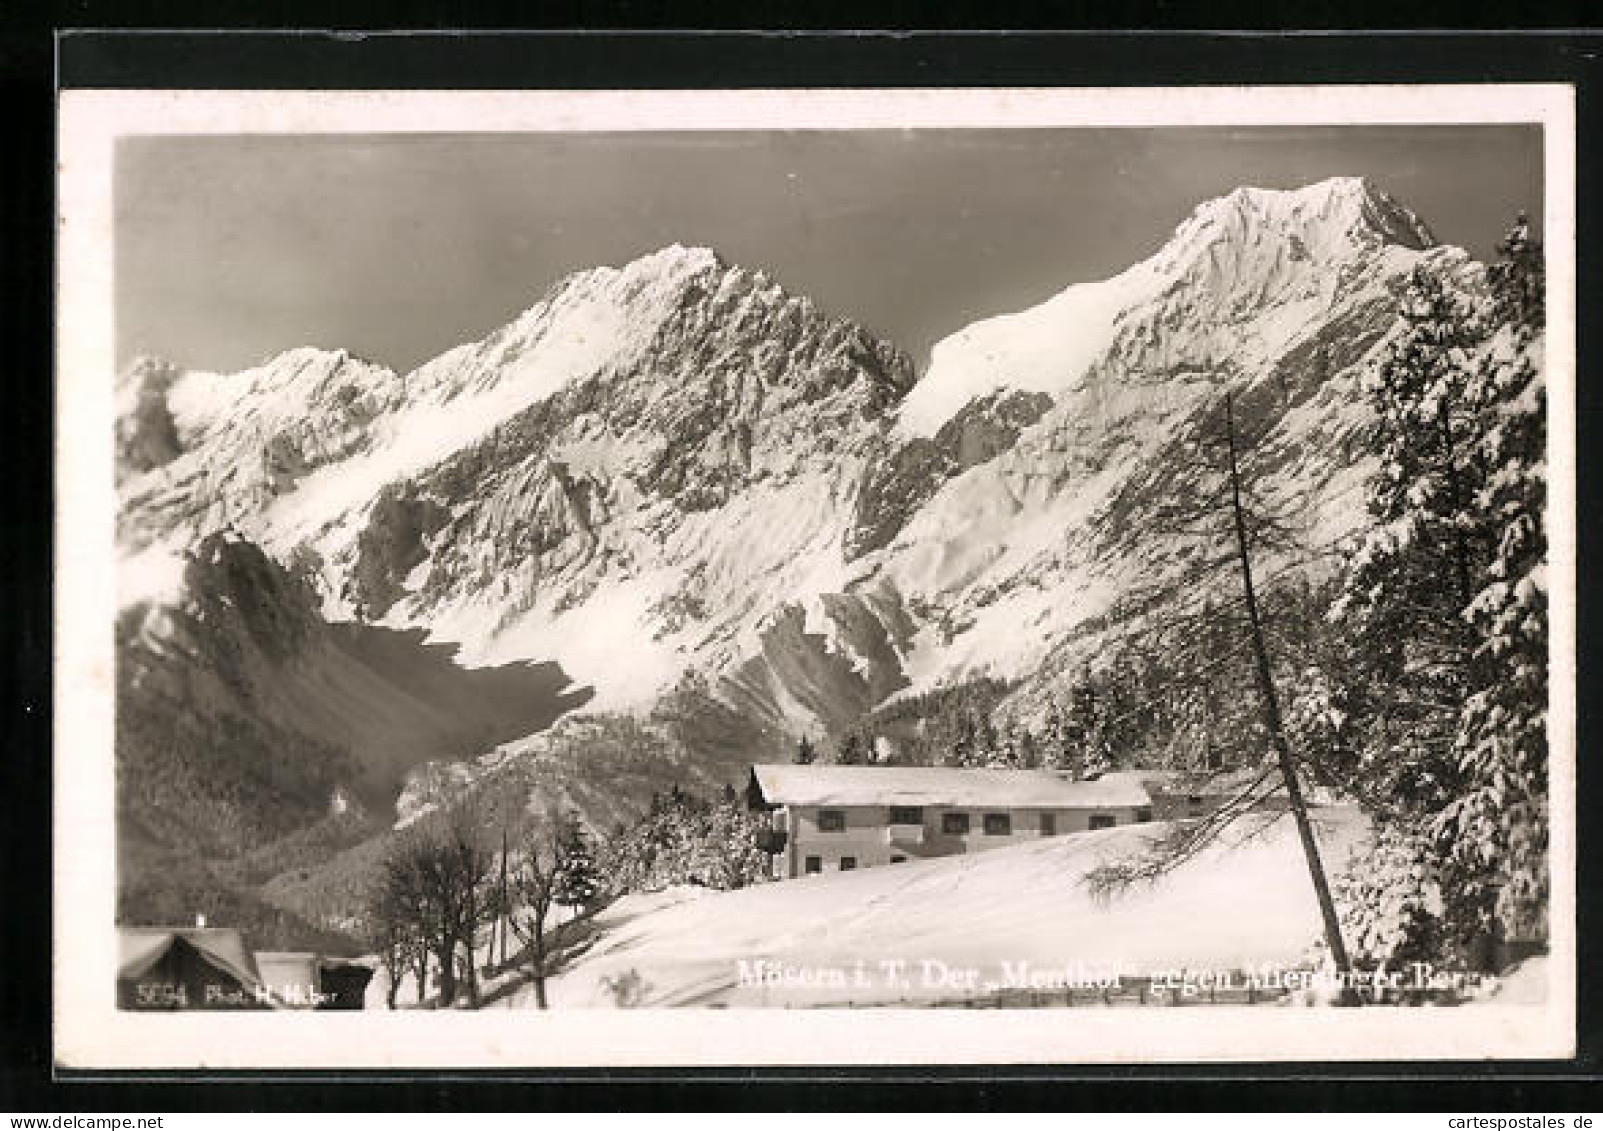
(397,247)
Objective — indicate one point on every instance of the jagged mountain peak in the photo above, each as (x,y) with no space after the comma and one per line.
(1325,221)
(584,321)
(668,271)
(1249,260)
(306,355)
(677,260)
(300,363)
(145,366)
(1326,195)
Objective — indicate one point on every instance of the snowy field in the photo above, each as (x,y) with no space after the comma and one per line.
(959,925)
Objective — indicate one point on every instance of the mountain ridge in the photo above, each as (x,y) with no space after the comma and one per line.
(1042,348)
(739,520)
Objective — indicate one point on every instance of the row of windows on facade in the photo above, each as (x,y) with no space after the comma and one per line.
(847,863)
(957,824)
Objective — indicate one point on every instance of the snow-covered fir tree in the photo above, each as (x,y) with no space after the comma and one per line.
(1498,827)
(684,839)
(1445,696)
(1058,747)
(966,747)
(853,750)
(576,867)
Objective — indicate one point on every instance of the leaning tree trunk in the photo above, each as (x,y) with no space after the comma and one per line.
(1272,719)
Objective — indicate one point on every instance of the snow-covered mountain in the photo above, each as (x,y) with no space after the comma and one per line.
(1283,297)
(1263,261)
(683,484)
(636,470)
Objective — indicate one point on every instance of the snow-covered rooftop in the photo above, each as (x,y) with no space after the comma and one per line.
(140,948)
(943,785)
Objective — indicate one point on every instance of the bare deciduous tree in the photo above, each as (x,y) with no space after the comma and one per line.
(431,900)
(1212,507)
(554,867)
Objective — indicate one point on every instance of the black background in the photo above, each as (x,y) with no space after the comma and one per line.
(29,60)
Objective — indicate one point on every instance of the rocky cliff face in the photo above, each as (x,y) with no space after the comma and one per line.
(694,476)
(229,446)
(675,474)
(147,438)
(1282,297)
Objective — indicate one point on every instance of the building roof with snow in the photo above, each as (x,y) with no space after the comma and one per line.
(141,948)
(943,786)
(186,965)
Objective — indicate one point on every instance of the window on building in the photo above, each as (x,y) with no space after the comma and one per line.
(847,863)
(1049,824)
(1103,820)
(998,824)
(898,859)
(814,864)
(906,815)
(954,824)
(831,821)
(1143,814)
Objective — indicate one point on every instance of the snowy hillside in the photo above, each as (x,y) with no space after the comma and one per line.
(1244,902)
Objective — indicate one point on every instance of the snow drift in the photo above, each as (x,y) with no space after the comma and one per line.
(1244,902)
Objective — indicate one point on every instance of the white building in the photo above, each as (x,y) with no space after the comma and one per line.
(836,818)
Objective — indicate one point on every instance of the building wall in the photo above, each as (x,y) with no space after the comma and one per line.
(864,837)
(1189,806)
(785,862)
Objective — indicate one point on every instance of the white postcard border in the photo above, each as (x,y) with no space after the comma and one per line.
(91,1033)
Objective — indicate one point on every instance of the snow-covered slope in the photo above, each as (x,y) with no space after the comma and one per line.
(1244,902)
(1259,259)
